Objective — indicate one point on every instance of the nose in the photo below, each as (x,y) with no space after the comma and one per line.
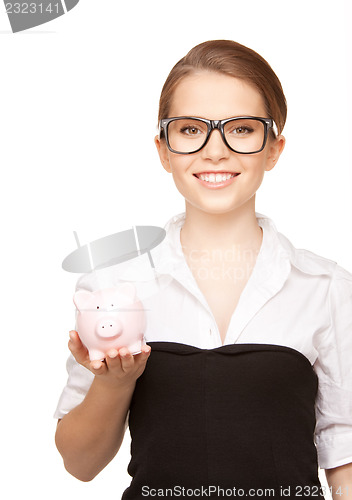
(108,327)
(215,149)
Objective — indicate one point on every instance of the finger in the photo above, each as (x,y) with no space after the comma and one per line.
(127,360)
(74,336)
(146,349)
(98,367)
(112,359)
(142,357)
(78,350)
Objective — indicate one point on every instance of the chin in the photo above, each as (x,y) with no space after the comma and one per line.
(215,208)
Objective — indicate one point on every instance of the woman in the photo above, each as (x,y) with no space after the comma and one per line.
(247,385)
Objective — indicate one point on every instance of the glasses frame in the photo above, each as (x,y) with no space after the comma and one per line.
(215,124)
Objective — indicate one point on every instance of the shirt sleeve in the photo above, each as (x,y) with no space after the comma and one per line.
(78,384)
(333,432)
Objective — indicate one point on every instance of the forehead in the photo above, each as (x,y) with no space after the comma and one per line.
(216,96)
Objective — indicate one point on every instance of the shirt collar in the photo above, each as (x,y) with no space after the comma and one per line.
(274,261)
(275,249)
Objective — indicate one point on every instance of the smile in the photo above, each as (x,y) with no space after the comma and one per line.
(216,179)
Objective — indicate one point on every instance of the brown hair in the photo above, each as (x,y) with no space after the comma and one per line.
(233,59)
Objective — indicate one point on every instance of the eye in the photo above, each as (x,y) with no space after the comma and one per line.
(97,307)
(190,130)
(242,130)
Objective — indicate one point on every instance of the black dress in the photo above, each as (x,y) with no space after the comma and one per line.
(214,422)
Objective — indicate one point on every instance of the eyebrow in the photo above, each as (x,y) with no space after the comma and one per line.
(231,116)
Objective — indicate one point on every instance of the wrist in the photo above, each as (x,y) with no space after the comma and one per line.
(113,387)
(108,398)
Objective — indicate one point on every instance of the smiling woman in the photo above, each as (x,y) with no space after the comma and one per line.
(248,382)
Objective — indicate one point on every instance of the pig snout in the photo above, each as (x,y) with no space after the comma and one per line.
(108,328)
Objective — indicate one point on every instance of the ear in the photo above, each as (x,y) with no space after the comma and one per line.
(82,299)
(276,147)
(163,152)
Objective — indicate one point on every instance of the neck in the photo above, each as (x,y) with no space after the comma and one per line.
(209,231)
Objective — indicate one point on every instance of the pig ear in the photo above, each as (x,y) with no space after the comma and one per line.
(81,299)
(128,289)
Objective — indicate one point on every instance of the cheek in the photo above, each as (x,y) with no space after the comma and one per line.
(179,179)
(181,168)
(253,171)
(164,156)
(179,165)
(255,164)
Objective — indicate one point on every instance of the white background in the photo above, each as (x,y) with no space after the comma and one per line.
(71,159)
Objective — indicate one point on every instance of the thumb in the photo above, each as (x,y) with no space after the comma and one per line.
(78,350)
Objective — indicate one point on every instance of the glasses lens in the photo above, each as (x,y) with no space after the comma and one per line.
(245,135)
(186,135)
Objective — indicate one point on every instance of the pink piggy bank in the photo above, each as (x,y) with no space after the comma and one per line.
(110,318)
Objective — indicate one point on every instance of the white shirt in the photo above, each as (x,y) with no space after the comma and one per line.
(293,298)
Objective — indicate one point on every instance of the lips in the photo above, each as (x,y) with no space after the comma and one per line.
(197,174)
(216,176)
(216,180)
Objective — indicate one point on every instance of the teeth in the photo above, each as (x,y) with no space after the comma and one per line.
(216,177)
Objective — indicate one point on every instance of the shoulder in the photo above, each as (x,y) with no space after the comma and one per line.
(306,260)
(340,298)
(314,264)
(302,258)
(343,274)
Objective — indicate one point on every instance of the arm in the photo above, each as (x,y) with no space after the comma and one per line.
(340,481)
(90,435)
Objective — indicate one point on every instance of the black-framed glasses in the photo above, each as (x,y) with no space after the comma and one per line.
(242,134)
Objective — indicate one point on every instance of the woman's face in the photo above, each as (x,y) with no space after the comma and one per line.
(215,96)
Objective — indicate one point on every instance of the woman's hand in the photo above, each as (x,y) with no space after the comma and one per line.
(119,368)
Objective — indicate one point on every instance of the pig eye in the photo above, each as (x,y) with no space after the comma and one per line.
(112,305)
(97,307)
